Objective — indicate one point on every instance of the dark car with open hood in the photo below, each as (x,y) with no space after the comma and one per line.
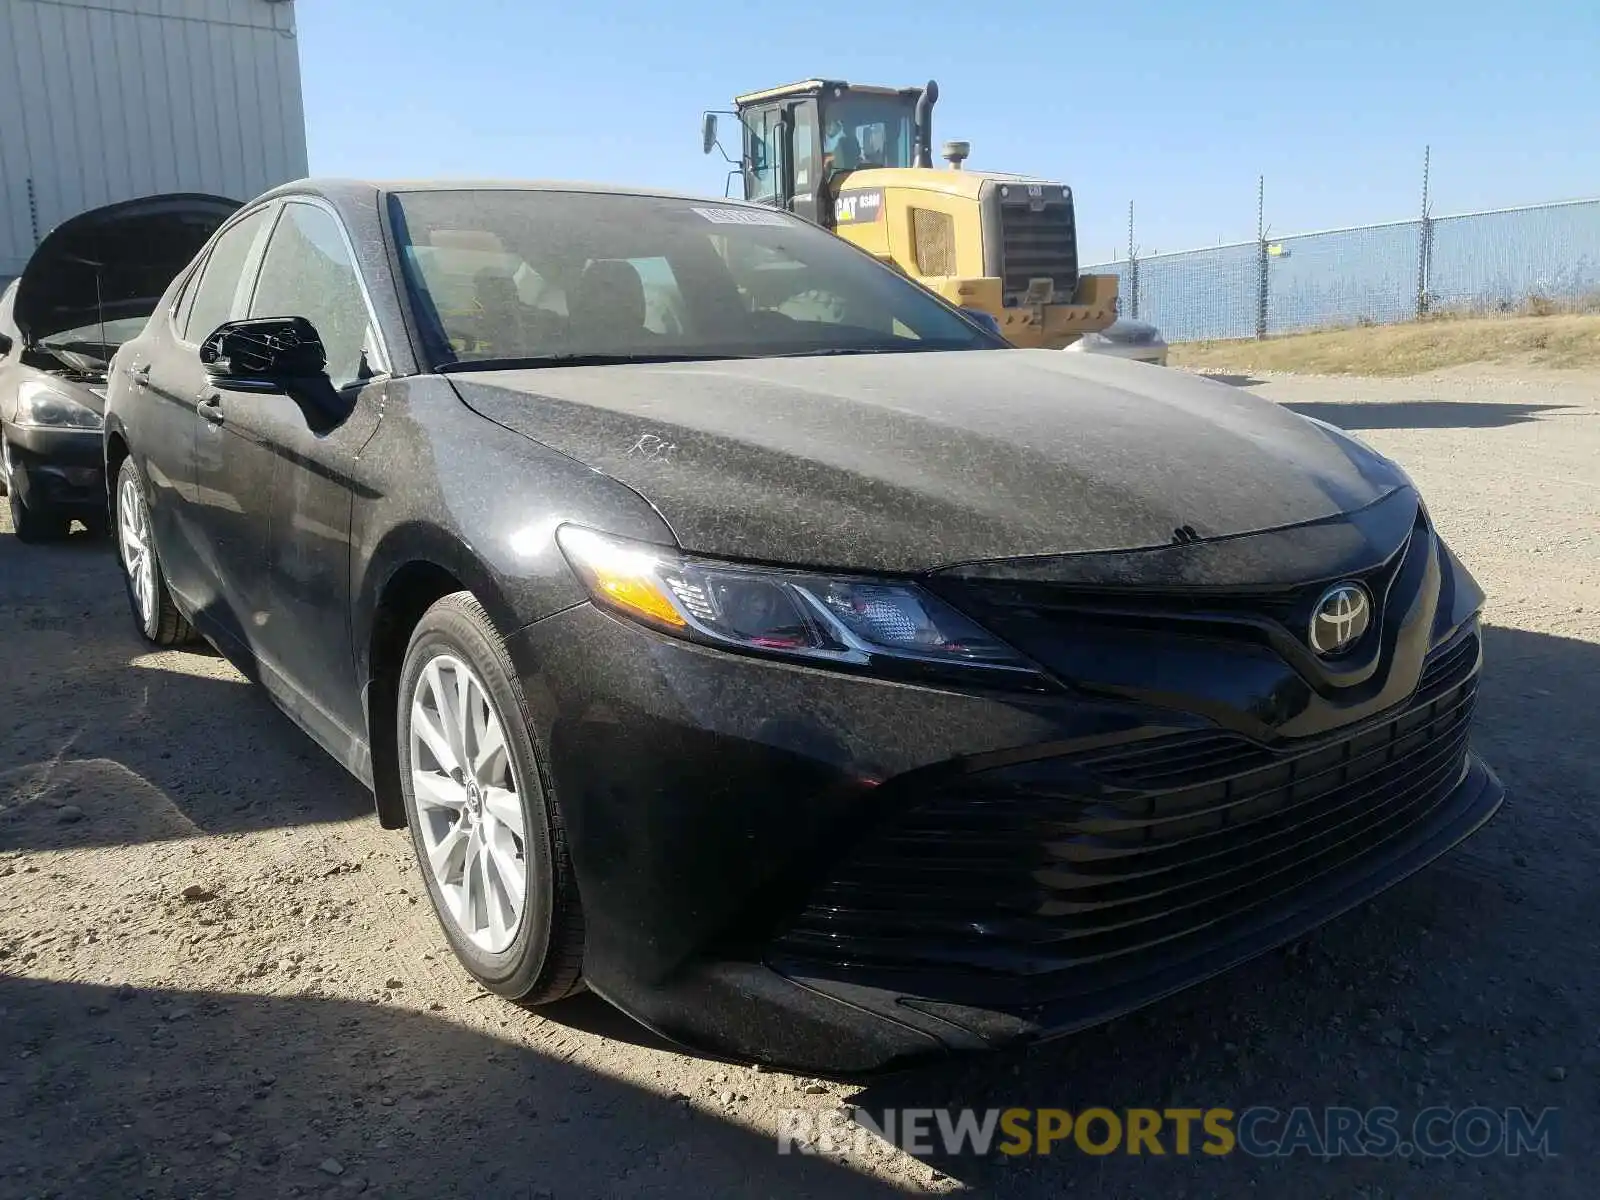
(744,632)
(86,289)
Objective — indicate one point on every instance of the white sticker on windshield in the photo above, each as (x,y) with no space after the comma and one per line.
(742,216)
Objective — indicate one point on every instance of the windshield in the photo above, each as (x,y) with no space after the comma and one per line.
(519,275)
(92,337)
(89,348)
(864,130)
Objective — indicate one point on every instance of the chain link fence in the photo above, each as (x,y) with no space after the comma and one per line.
(1544,255)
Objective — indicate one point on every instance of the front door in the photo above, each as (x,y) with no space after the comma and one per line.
(300,467)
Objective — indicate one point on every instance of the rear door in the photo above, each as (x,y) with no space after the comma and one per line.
(295,468)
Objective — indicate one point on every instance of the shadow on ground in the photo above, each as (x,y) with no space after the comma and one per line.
(1428,414)
(146,745)
(171,1093)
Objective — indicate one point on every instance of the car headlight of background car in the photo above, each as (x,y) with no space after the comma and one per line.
(40,405)
(888,626)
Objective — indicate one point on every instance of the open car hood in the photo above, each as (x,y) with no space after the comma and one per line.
(113,262)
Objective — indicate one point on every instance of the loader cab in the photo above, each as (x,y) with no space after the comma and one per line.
(797,142)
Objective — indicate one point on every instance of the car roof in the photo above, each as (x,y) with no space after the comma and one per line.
(339,188)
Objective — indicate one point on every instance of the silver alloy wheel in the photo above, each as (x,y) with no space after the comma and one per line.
(133,530)
(466,803)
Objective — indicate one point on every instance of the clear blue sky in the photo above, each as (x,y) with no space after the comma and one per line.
(1176,106)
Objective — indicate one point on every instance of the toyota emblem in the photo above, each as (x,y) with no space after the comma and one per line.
(1339,619)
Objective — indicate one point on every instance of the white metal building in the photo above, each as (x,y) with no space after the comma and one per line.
(105,100)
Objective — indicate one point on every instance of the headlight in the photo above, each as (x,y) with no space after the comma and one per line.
(791,614)
(41,405)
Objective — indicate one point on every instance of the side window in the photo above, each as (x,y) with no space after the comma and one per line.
(213,300)
(307,272)
(761,155)
(185,304)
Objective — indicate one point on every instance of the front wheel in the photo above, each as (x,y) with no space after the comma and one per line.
(487,833)
(154,611)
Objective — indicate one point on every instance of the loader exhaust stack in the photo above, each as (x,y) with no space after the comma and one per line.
(922,124)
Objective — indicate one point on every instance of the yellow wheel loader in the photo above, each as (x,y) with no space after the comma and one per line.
(858,160)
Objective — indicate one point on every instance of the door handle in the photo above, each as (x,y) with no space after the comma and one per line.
(141,375)
(211,408)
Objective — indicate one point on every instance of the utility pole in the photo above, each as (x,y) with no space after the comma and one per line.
(1424,240)
(1133,270)
(1261,256)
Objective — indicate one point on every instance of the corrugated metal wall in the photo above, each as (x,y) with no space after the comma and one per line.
(110,99)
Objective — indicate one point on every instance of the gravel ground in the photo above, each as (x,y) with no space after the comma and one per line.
(218,978)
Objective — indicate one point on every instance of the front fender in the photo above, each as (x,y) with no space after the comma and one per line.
(419,543)
(455,491)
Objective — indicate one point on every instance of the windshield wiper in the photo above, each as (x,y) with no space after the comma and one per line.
(830,351)
(921,347)
(570,360)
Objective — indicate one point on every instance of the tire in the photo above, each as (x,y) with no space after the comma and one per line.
(30,522)
(154,613)
(532,952)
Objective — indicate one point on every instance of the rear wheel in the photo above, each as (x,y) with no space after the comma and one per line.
(30,522)
(488,835)
(154,611)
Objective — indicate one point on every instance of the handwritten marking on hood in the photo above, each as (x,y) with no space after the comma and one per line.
(652,448)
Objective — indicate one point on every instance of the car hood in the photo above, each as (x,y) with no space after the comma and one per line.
(910,462)
(116,261)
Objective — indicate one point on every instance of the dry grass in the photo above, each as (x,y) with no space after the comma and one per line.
(1566,341)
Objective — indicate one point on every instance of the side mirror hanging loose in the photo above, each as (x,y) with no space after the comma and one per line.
(268,352)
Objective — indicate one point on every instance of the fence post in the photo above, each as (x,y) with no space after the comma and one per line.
(1261,257)
(1133,270)
(1424,242)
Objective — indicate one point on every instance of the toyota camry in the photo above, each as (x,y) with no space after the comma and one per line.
(750,636)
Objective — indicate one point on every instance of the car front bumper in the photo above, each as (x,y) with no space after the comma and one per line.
(61,469)
(837,874)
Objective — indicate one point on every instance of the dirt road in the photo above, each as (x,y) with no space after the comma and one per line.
(219,978)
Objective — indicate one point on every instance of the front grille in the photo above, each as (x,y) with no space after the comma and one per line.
(1035,615)
(1035,243)
(1110,857)
(934,234)
(1156,764)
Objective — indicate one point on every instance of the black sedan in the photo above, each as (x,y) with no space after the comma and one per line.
(87,289)
(746,633)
